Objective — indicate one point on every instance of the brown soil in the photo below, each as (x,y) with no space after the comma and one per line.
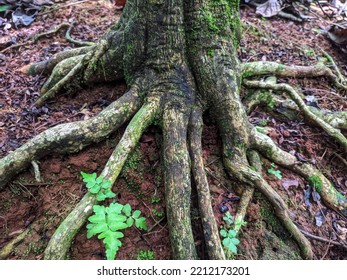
(42,206)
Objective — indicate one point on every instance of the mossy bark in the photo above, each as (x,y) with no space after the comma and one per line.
(181,56)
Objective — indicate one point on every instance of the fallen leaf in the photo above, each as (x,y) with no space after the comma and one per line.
(320,218)
(307,195)
(290,183)
(316,196)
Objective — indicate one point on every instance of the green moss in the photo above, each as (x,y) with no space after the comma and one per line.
(268,215)
(133,170)
(210,52)
(315,182)
(227,24)
(266,98)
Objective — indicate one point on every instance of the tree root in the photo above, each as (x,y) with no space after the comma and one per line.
(334,133)
(212,240)
(250,69)
(71,137)
(46,67)
(88,61)
(247,176)
(330,196)
(37,37)
(247,194)
(177,182)
(61,240)
(8,248)
(167,90)
(289,109)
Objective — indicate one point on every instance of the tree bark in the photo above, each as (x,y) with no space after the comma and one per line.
(181,56)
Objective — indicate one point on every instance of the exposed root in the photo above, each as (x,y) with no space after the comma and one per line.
(330,196)
(211,233)
(289,109)
(247,193)
(70,137)
(247,176)
(250,69)
(88,61)
(334,133)
(74,41)
(61,240)
(8,248)
(177,181)
(46,67)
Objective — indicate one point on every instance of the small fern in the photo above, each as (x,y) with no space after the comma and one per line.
(107,223)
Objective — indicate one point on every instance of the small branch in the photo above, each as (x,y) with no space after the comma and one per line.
(322,239)
(64,6)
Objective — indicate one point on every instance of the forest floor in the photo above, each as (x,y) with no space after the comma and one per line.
(25,203)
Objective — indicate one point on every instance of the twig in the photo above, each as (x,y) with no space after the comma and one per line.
(341,158)
(322,239)
(64,6)
(214,177)
(157,223)
(37,37)
(327,250)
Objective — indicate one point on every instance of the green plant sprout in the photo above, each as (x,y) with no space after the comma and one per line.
(107,223)
(98,186)
(145,255)
(273,171)
(158,214)
(155,199)
(229,241)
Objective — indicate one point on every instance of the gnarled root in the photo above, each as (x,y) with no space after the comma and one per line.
(250,69)
(71,137)
(212,240)
(61,240)
(334,133)
(331,197)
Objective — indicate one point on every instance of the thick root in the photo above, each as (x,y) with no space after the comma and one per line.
(247,176)
(212,240)
(331,197)
(61,240)
(334,133)
(258,68)
(46,67)
(70,137)
(177,182)
(289,109)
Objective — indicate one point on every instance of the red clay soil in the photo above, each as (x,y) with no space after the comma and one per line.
(42,206)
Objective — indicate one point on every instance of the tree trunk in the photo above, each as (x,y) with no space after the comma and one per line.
(179,60)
